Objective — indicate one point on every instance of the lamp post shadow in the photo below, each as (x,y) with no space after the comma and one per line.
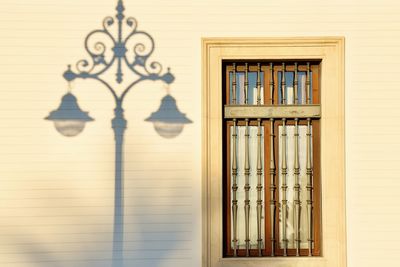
(70,120)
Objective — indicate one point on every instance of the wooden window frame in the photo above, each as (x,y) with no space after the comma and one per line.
(227,202)
(330,51)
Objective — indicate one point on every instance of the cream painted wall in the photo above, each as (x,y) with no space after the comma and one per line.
(56,193)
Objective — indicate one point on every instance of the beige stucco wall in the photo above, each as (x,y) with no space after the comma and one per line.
(56,193)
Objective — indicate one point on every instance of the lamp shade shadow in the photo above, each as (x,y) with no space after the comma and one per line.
(69,119)
(168,121)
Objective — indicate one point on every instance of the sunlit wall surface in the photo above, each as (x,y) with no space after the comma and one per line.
(56,193)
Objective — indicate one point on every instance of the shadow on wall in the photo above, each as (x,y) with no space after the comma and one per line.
(42,247)
(69,120)
(115,49)
(159,236)
(40,254)
(168,121)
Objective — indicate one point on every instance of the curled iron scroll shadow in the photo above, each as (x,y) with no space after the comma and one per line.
(168,121)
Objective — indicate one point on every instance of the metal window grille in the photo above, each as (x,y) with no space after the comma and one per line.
(271,173)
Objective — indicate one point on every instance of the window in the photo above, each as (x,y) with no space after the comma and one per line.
(238,119)
(271,158)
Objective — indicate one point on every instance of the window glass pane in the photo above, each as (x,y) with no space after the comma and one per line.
(290,230)
(252,95)
(289,80)
(240,148)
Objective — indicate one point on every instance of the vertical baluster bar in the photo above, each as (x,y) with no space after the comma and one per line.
(284,164)
(309,188)
(259,188)
(308,84)
(296,188)
(295,85)
(259,165)
(296,168)
(258,84)
(247,189)
(271,82)
(272,186)
(234,84)
(234,190)
(284,187)
(283,85)
(309,168)
(246,83)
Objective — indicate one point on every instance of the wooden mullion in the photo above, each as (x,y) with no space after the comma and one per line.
(278,251)
(267,193)
(227,183)
(315,69)
(317,186)
(316,150)
(227,190)
(266,92)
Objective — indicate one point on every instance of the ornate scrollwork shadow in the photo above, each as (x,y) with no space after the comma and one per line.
(134,50)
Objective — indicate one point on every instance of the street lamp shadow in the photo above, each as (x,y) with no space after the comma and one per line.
(70,120)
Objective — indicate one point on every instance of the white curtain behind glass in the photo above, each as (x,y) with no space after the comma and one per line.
(253,142)
(290,183)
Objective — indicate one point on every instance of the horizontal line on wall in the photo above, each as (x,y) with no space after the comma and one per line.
(160,224)
(67,161)
(146,179)
(55,171)
(90,187)
(96,206)
(100,250)
(100,232)
(96,215)
(102,198)
(105,144)
(106,241)
(101,260)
